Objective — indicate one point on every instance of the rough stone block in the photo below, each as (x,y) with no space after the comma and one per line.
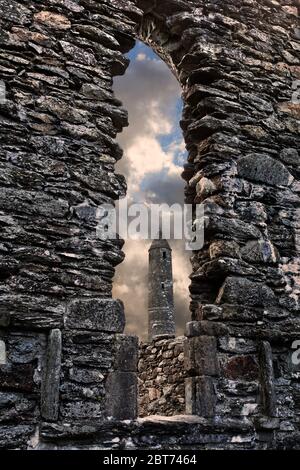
(200,396)
(268,394)
(96,314)
(243,291)
(126,358)
(260,251)
(207,328)
(121,392)
(87,410)
(264,169)
(237,345)
(201,356)
(51,377)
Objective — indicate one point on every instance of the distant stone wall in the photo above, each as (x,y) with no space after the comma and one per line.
(161,377)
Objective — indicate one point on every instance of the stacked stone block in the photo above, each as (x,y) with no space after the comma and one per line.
(161,376)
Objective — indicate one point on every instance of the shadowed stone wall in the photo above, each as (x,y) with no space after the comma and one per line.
(162,377)
(238,65)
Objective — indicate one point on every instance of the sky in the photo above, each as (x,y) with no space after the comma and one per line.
(154,154)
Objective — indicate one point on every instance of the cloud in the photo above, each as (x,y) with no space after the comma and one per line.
(154,152)
(150,93)
(141,56)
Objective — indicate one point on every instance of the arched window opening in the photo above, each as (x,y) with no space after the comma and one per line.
(154,155)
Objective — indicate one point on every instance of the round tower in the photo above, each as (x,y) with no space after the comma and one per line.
(161,317)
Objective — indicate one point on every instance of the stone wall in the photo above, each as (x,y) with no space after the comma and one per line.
(162,377)
(238,64)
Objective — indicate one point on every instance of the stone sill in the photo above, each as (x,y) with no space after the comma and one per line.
(154,427)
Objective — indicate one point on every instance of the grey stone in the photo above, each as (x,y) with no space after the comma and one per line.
(237,345)
(51,377)
(85,376)
(261,251)
(200,396)
(161,372)
(264,169)
(96,315)
(290,156)
(243,291)
(201,356)
(126,358)
(121,401)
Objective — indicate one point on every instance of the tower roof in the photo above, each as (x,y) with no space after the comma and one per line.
(160,242)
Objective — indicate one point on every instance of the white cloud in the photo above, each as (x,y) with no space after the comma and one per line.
(141,56)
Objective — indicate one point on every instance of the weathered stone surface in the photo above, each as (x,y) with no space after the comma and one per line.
(260,251)
(237,345)
(201,356)
(51,377)
(13,11)
(126,356)
(242,291)
(264,169)
(121,401)
(206,328)
(267,380)
(25,313)
(290,156)
(16,436)
(200,396)
(153,433)
(52,20)
(224,248)
(96,314)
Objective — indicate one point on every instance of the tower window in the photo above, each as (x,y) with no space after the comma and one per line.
(163,286)
(164,255)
